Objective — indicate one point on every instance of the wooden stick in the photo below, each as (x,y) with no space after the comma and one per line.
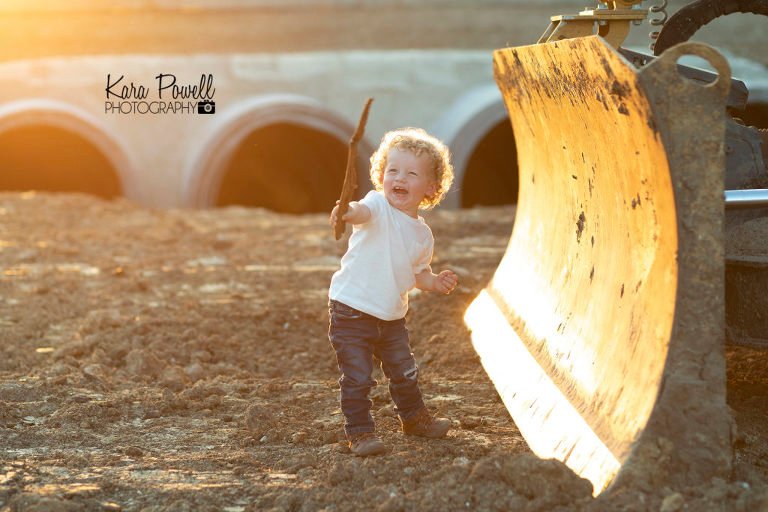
(350,177)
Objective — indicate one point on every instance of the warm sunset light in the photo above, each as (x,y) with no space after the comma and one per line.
(552,427)
(392,255)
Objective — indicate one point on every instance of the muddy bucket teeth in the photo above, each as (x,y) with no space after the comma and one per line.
(602,328)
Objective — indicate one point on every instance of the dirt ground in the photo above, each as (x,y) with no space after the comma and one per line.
(178,360)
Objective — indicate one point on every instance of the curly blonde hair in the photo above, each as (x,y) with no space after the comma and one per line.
(418,142)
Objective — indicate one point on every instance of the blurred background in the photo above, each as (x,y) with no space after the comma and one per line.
(289,79)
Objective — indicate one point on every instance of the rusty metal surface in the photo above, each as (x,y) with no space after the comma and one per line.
(611,289)
(737,95)
(612,23)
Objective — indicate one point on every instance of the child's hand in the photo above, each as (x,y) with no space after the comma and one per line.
(446,281)
(334,212)
(357,213)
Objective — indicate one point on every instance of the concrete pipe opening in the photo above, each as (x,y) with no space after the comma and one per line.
(51,158)
(490,177)
(285,167)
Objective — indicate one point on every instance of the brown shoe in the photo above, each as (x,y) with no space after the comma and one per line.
(366,443)
(424,425)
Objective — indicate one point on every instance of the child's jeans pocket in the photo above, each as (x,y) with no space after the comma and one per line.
(341,310)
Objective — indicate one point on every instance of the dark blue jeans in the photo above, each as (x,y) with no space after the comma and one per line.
(357,337)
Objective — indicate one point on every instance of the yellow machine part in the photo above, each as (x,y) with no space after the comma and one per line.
(602,328)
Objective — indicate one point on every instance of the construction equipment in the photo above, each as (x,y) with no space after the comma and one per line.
(603,327)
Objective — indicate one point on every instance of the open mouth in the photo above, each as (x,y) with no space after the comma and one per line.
(400,191)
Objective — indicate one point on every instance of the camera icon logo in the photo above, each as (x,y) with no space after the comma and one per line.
(206,107)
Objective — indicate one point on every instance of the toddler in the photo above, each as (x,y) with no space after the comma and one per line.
(389,253)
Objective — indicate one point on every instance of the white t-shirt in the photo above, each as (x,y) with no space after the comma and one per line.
(382,260)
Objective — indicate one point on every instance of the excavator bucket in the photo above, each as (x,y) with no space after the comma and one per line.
(602,329)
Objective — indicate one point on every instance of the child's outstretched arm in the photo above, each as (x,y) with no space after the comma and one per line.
(356,214)
(444,282)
